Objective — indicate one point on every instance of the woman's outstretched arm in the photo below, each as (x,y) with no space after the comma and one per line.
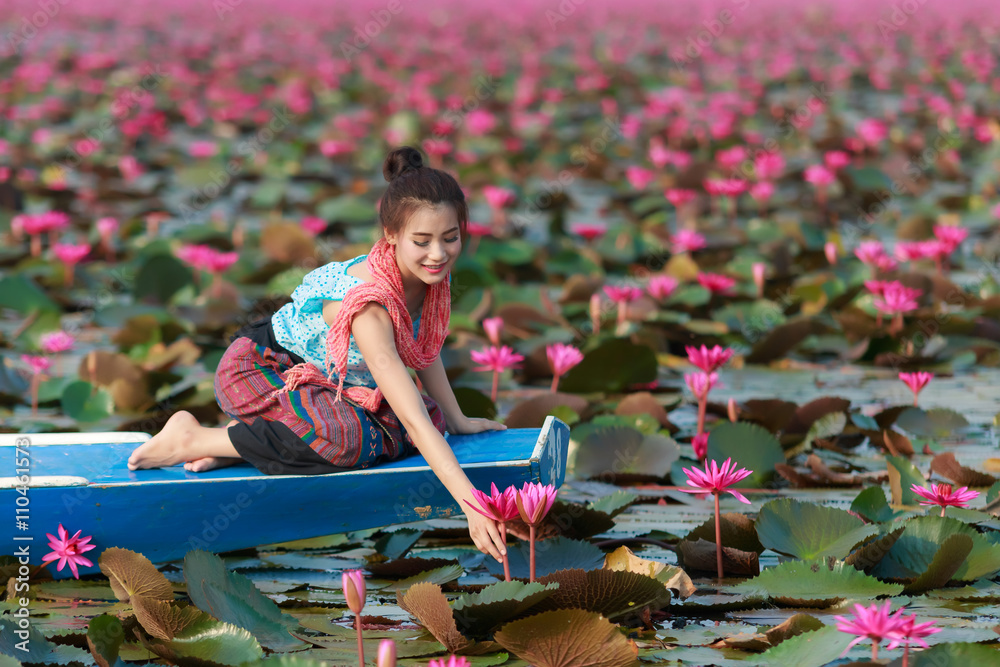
(373,333)
(436,383)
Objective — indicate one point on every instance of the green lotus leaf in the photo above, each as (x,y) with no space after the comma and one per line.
(810,649)
(807,531)
(914,552)
(814,583)
(477,615)
(933,423)
(557,553)
(611,367)
(439,575)
(749,445)
(872,505)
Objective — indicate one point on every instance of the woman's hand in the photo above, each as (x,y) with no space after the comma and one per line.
(465,425)
(486,535)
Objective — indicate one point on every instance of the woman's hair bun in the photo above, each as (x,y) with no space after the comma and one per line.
(401,161)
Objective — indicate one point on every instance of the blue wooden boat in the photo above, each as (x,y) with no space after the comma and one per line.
(81,480)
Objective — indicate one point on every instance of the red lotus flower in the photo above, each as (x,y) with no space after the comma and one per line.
(312,225)
(836,160)
(762,192)
(56,341)
(478,229)
(908,630)
(708,359)
(70,253)
(943,495)
(588,230)
(678,196)
(639,177)
(716,479)
(699,444)
(896,298)
(716,283)
(769,166)
(875,623)
(67,549)
(37,364)
(623,293)
(950,237)
(819,175)
(496,359)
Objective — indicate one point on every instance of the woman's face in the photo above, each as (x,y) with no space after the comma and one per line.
(428,245)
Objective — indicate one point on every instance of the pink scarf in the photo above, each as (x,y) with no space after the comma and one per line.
(386,289)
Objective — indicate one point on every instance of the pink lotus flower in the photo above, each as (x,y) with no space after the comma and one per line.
(699,444)
(70,255)
(908,251)
(762,192)
(769,166)
(353,582)
(56,341)
(943,495)
(831,252)
(493,326)
(730,158)
(498,197)
(639,177)
(561,358)
(67,549)
(437,147)
(872,131)
(661,287)
(588,230)
(107,226)
(686,240)
(37,364)
(702,383)
(534,501)
(869,252)
(313,225)
(202,149)
(480,122)
(452,661)
(950,237)
(716,283)
(896,298)
(623,293)
(875,623)
(836,160)
(195,256)
(908,630)
(916,382)
(708,359)
(500,507)
(219,262)
(716,480)
(678,196)
(819,176)
(335,147)
(478,229)
(130,168)
(725,187)
(497,360)
(386,653)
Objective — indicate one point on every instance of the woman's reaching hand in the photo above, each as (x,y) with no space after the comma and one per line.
(466,425)
(485,535)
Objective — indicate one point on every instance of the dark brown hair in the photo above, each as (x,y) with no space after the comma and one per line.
(413,186)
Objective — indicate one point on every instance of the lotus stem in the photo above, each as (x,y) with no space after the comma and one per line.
(906,655)
(35,380)
(718,537)
(943,508)
(361,645)
(496,383)
(874,651)
(702,407)
(68,274)
(506,561)
(555,384)
(531,560)
(36,245)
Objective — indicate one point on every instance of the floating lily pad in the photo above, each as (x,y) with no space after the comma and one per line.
(86,403)
(557,553)
(933,423)
(439,575)
(567,638)
(946,562)
(872,505)
(807,531)
(809,649)
(956,654)
(737,531)
(477,615)
(749,445)
(607,453)
(611,367)
(612,593)
(397,543)
(814,584)
(915,550)
(104,638)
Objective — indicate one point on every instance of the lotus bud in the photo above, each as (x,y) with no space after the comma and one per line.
(386,653)
(734,413)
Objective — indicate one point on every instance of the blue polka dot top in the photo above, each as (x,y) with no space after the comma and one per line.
(300,328)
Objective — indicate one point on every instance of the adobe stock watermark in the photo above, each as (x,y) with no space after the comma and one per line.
(563,11)
(712,29)
(363,35)
(898,17)
(47,10)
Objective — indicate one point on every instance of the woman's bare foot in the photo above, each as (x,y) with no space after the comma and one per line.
(213,462)
(182,439)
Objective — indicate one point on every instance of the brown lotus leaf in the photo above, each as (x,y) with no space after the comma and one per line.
(824,472)
(531,413)
(887,417)
(700,556)
(870,553)
(783,338)
(792,626)
(430,607)
(673,578)
(287,242)
(897,443)
(523,321)
(607,592)
(130,396)
(101,368)
(738,532)
(772,414)
(182,352)
(133,575)
(745,641)
(402,568)
(807,414)
(579,288)
(797,479)
(991,465)
(568,638)
(136,331)
(856,324)
(162,619)
(643,403)
(948,467)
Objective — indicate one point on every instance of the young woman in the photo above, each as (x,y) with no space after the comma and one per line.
(365,322)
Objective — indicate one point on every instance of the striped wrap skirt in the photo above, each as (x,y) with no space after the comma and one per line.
(303,431)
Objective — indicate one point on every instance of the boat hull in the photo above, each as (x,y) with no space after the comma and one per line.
(82,482)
